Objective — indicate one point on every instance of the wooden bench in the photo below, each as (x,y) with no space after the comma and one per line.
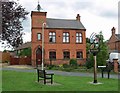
(44,75)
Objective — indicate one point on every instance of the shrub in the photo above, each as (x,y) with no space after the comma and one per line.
(73,62)
(65,66)
(51,66)
(89,64)
(67,69)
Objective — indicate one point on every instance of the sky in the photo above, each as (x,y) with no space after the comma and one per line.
(96,15)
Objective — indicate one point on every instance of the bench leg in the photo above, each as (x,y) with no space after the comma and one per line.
(51,80)
(102,74)
(108,74)
(38,77)
(44,81)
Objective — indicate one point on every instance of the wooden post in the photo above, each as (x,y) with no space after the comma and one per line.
(95,70)
(115,65)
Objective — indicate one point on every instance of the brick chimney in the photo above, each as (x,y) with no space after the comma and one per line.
(78,17)
(113,30)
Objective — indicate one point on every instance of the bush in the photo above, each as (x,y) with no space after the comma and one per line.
(67,69)
(73,62)
(65,66)
(89,64)
(51,66)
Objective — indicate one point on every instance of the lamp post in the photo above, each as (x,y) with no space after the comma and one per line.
(43,25)
(94,49)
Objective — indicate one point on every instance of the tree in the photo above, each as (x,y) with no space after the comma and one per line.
(13,15)
(102,55)
(25,52)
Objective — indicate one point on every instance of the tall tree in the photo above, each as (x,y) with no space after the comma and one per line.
(102,55)
(13,15)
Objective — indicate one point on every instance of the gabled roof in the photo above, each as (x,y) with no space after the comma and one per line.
(118,36)
(23,46)
(64,23)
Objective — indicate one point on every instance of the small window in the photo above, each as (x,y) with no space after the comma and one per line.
(52,55)
(79,54)
(52,37)
(66,55)
(65,37)
(78,37)
(39,37)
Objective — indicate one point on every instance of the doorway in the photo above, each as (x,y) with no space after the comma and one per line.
(38,56)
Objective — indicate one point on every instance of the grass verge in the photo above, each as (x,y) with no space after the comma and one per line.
(26,81)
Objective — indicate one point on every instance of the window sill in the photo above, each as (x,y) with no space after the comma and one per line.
(79,58)
(66,42)
(39,40)
(79,43)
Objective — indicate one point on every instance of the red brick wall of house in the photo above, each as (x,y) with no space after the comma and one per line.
(113,42)
(118,45)
(59,47)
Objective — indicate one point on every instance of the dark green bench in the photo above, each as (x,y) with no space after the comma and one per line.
(44,75)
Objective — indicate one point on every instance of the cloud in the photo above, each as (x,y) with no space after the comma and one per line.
(27,37)
(96,15)
(110,14)
(82,5)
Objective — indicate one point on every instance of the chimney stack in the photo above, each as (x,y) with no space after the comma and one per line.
(113,30)
(78,17)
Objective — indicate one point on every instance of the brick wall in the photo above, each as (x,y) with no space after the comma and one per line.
(113,43)
(59,46)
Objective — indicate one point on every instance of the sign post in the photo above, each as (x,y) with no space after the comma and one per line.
(94,49)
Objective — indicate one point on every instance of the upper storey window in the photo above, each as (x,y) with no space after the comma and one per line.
(78,37)
(52,37)
(66,37)
(39,36)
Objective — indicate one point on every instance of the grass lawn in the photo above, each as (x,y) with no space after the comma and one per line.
(0,81)
(26,81)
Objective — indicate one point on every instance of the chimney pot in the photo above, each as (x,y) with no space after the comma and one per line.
(113,30)
(78,17)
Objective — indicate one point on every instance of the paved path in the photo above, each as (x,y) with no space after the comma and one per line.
(56,72)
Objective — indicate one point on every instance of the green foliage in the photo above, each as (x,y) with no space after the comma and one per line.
(51,66)
(73,62)
(13,15)
(66,65)
(90,62)
(25,52)
(4,51)
(102,55)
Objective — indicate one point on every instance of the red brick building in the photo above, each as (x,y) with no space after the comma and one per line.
(114,41)
(64,39)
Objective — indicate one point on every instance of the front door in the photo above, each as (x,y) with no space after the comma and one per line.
(38,57)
